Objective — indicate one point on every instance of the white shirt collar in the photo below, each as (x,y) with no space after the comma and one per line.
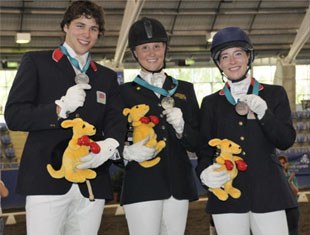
(73,55)
(240,88)
(156,79)
(72,52)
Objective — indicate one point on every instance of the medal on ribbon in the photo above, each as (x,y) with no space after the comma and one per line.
(167,101)
(82,77)
(241,108)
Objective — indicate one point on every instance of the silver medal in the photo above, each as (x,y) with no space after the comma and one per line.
(167,102)
(81,78)
(242,108)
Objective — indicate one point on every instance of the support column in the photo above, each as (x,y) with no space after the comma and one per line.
(285,76)
(131,14)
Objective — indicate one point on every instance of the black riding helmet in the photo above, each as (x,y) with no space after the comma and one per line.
(231,37)
(146,30)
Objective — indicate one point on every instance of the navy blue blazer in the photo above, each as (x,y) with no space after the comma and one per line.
(263,185)
(173,175)
(42,78)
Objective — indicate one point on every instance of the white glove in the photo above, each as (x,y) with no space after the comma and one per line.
(139,152)
(74,98)
(212,178)
(107,150)
(256,104)
(175,118)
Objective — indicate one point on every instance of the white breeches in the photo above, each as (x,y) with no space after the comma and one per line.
(66,214)
(160,217)
(271,223)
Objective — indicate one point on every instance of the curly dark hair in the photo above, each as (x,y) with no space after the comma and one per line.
(88,9)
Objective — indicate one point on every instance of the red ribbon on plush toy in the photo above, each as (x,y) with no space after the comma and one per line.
(84,140)
(149,119)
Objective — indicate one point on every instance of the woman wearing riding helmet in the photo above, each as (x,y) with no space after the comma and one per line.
(258,118)
(156,199)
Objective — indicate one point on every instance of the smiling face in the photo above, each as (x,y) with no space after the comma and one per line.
(81,34)
(151,56)
(233,62)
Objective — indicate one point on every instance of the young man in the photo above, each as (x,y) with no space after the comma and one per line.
(51,86)
(258,118)
(156,199)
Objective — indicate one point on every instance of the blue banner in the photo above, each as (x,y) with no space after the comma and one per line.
(300,163)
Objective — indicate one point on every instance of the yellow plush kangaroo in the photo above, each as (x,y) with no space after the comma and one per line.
(143,128)
(229,163)
(79,146)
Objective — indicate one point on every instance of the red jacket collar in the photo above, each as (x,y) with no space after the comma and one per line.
(58,54)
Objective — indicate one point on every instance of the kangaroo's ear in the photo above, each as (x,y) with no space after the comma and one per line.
(67,123)
(126,111)
(214,142)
